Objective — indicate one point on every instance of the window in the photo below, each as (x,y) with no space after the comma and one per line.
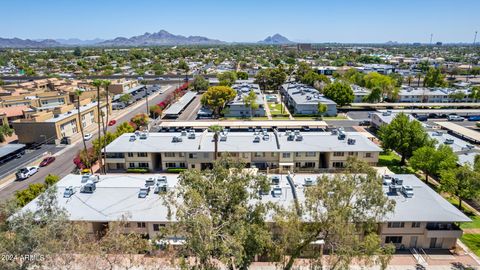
(396,224)
(193,166)
(143,165)
(298,154)
(130,154)
(368,155)
(169,154)
(192,155)
(309,165)
(338,154)
(182,165)
(272,154)
(142,154)
(141,224)
(351,153)
(156,227)
(337,164)
(310,154)
(126,225)
(257,154)
(245,155)
(286,155)
(416,224)
(170,165)
(298,164)
(131,165)
(181,154)
(393,239)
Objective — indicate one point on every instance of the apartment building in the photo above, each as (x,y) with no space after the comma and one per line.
(379,119)
(121,86)
(359,93)
(432,95)
(465,151)
(136,199)
(304,99)
(61,123)
(266,150)
(237,108)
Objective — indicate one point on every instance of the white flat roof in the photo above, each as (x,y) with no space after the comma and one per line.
(245,124)
(116,197)
(243,142)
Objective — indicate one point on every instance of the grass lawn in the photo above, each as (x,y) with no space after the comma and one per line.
(276,108)
(392,161)
(338,117)
(244,118)
(475,224)
(472,241)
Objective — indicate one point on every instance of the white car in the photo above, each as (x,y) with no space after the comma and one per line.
(455,118)
(87,136)
(26,172)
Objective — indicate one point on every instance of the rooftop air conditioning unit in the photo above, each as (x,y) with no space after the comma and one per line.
(299,138)
(256,139)
(143,136)
(308,181)
(69,191)
(132,138)
(143,192)
(407,191)
(275,180)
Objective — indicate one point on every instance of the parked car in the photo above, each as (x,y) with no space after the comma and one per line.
(474,118)
(46,161)
(455,118)
(112,122)
(26,172)
(422,118)
(87,136)
(364,123)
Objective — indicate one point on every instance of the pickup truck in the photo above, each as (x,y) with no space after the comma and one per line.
(26,172)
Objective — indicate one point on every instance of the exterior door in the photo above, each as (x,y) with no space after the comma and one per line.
(433,242)
(413,241)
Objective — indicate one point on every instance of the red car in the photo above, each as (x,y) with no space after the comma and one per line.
(47,161)
(112,122)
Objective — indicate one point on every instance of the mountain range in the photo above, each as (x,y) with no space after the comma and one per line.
(159,38)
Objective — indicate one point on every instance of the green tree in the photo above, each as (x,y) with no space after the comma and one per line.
(155,111)
(404,136)
(340,92)
(200,83)
(475,93)
(347,227)
(270,78)
(321,109)
(250,101)
(386,84)
(462,182)
(227,78)
(302,69)
(77,52)
(5,131)
(124,127)
(312,78)
(23,197)
(456,96)
(216,97)
(476,163)
(432,161)
(125,98)
(214,215)
(242,75)
(434,78)
(51,179)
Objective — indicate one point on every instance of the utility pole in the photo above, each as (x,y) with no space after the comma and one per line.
(475,38)
(431,38)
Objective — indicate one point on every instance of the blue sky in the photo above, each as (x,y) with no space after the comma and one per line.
(246,20)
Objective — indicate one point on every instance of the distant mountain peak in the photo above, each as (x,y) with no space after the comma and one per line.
(276,39)
(159,38)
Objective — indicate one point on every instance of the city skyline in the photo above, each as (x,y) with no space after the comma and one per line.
(304,21)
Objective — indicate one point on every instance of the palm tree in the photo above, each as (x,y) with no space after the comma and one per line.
(106,84)
(5,131)
(98,84)
(216,129)
(78,93)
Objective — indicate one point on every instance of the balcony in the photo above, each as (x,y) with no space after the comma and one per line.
(435,230)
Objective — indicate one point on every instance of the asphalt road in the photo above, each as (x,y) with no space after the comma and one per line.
(30,155)
(63,164)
